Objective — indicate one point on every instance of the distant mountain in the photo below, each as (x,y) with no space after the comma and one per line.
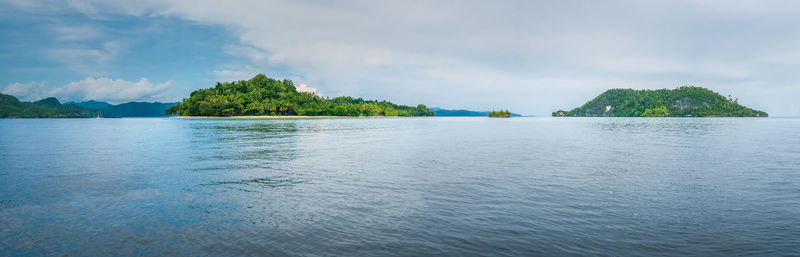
(129,109)
(50,102)
(462,113)
(137,109)
(679,102)
(91,104)
(11,107)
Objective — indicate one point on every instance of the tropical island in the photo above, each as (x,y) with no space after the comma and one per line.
(500,114)
(686,101)
(263,96)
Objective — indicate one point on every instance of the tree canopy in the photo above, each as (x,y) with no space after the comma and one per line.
(687,101)
(265,96)
(500,114)
(656,112)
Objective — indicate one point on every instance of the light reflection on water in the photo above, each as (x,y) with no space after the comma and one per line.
(444,186)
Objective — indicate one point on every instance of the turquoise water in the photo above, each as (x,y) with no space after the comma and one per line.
(400,186)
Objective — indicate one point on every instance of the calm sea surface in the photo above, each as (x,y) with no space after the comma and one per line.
(400,186)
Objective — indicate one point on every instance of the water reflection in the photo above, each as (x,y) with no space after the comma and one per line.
(266,182)
(244,140)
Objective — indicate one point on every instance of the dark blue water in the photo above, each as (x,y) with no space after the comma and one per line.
(427,186)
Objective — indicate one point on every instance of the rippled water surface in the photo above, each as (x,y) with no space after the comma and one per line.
(404,186)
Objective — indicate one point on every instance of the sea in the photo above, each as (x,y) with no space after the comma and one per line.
(436,186)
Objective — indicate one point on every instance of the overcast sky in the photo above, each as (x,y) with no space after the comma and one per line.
(532,57)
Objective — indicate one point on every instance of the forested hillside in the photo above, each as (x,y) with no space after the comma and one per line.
(685,101)
(11,107)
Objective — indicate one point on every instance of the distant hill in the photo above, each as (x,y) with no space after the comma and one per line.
(463,113)
(129,109)
(137,109)
(680,102)
(91,104)
(11,107)
(50,102)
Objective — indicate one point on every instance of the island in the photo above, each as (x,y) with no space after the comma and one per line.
(500,114)
(439,112)
(264,96)
(686,101)
(11,107)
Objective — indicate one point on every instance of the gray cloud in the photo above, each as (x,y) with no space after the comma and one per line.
(527,56)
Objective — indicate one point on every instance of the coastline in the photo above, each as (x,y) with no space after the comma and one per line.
(288,117)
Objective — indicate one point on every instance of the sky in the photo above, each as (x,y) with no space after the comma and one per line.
(531,57)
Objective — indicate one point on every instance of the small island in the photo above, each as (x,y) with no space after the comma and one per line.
(687,101)
(500,114)
(263,96)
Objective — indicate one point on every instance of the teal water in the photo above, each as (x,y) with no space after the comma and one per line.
(404,186)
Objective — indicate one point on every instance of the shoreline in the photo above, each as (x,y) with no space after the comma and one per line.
(289,117)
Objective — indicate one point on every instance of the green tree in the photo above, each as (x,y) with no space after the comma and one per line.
(681,102)
(656,112)
(262,95)
(500,114)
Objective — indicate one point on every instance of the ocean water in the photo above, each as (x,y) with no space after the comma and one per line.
(400,186)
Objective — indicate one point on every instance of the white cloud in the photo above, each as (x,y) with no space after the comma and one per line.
(99,89)
(306,88)
(28,91)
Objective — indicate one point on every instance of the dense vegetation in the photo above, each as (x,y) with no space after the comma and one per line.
(265,96)
(656,112)
(685,101)
(500,114)
(11,107)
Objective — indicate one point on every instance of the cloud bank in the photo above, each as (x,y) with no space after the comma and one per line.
(100,89)
(528,56)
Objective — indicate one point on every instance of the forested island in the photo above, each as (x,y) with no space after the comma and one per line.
(687,101)
(11,107)
(500,114)
(262,96)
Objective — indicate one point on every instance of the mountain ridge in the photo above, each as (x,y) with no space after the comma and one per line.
(51,107)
